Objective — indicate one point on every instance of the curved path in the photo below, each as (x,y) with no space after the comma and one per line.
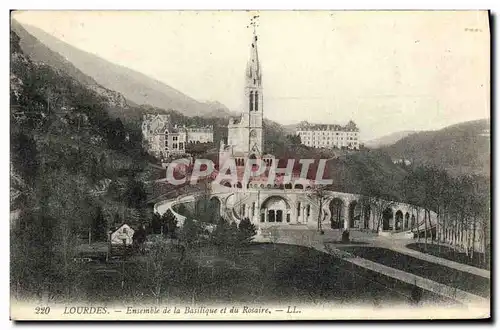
(310,238)
(316,241)
(400,246)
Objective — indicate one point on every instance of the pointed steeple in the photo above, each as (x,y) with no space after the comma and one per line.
(253,72)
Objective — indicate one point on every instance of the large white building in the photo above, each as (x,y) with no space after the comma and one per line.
(329,136)
(163,139)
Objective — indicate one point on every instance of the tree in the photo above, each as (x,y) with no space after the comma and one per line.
(169,223)
(159,268)
(225,235)
(99,226)
(135,193)
(115,134)
(114,191)
(318,194)
(246,231)
(189,232)
(25,156)
(156,224)
(198,149)
(294,139)
(139,238)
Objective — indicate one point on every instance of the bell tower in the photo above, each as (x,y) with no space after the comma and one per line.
(254,100)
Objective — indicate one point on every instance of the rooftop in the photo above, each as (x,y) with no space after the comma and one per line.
(351,126)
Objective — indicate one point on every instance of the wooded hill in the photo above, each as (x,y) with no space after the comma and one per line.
(461,149)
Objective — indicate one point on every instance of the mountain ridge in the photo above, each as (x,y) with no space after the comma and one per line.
(388,139)
(135,86)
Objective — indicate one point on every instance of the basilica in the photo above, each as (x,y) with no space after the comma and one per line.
(294,202)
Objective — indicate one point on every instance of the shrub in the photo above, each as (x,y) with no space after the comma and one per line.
(246,231)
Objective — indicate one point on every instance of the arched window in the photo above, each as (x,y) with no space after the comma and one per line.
(256,102)
(251,101)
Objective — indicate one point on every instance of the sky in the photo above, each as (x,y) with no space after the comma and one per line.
(387,71)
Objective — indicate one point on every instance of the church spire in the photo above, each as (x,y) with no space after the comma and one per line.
(253,72)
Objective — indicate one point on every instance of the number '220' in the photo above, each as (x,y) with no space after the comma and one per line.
(42,310)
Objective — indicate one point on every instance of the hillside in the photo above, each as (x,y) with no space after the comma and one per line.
(290,129)
(64,143)
(134,86)
(462,148)
(387,140)
(38,52)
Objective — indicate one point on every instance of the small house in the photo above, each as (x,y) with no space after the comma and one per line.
(122,235)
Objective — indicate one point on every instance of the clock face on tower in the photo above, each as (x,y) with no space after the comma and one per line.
(253,133)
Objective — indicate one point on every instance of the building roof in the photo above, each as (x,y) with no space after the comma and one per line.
(114,229)
(350,126)
(161,123)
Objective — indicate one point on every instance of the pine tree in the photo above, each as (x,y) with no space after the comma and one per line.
(169,222)
(246,231)
(156,224)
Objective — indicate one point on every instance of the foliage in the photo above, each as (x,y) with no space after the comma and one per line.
(459,149)
(221,236)
(199,149)
(169,222)
(99,226)
(65,146)
(462,205)
(160,268)
(25,156)
(190,232)
(246,231)
(294,139)
(135,193)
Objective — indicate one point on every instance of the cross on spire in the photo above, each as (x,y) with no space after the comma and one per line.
(254,22)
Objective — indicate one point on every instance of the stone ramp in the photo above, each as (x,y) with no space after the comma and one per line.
(461,296)
(314,240)
(401,248)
